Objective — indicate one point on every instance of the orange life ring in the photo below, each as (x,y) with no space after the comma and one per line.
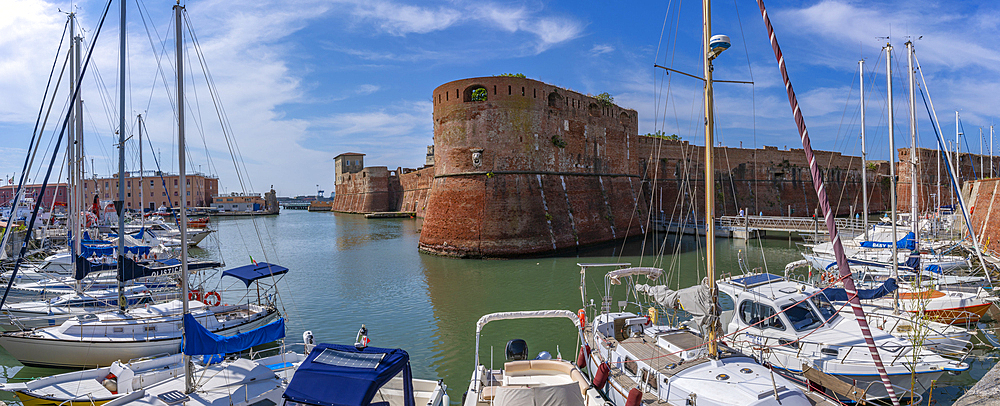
(212,302)
(194,294)
(582,314)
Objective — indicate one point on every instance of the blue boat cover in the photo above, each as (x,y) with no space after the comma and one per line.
(907,242)
(840,295)
(134,270)
(252,272)
(199,341)
(755,280)
(342,375)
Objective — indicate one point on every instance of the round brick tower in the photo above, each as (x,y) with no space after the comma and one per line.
(524,167)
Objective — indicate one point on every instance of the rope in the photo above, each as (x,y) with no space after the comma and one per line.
(824,203)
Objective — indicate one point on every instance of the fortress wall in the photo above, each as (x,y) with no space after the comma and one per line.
(365,191)
(531,169)
(415,186)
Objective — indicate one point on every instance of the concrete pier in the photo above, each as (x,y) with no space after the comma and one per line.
(986,392)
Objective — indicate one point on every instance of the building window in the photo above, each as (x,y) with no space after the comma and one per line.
(175,193)
(175,182)
(189,193)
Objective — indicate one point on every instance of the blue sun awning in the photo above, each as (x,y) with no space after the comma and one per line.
(252,272)
(342,375)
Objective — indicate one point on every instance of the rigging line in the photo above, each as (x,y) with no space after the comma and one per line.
(753,102)
(159,56)
(41,192)
(224,121)
(663,28)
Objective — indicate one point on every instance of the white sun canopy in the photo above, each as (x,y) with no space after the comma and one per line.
(650,272)
(534,314)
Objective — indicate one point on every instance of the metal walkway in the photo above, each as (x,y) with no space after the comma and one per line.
(787,224)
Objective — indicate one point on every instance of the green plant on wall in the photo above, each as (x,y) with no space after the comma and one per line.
(663,135)
(558,141)
(512,75)
(479,94)
(605,99)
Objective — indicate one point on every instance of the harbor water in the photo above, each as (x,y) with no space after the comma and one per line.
(346,271)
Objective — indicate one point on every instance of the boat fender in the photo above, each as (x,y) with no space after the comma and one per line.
(445,399)
(582,314)
(213,298)
(465,395)
(581,359)
(634,397)
(601,377)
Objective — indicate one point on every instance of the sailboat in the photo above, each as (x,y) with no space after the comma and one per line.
(100,339)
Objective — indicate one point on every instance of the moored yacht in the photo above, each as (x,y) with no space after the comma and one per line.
(791,325)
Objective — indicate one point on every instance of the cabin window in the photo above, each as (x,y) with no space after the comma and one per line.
(825,308)
(801,316)
(630,366)
(149,328)
(119,330)
(760,315)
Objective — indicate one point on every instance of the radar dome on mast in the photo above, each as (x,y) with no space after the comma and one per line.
(717,44)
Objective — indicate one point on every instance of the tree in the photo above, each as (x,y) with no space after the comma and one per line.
(605,99)
(479,94)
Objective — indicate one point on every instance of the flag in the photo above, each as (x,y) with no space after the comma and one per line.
(251,260)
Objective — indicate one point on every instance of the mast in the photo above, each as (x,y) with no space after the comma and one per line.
(914,226)
(178,9)
(120,198)
(894,258)
(70,152)
(709,53)
(864,154)
(142,193)
(991,150)
(958,161)
(75,197)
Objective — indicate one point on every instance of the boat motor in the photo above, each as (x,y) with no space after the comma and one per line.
(517,350)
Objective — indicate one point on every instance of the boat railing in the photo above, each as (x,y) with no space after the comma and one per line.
(149,357)
(73,400)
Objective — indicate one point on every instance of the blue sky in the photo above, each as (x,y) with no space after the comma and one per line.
(304,80)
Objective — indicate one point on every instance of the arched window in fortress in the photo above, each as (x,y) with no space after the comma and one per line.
(595,110)
(554,99)
(475,93)
(624,119)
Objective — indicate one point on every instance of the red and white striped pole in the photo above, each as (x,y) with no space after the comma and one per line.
(824,203)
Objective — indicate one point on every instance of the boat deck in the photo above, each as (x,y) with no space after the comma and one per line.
(668,364)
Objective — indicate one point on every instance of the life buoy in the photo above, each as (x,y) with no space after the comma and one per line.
(582,315)
(194,294)
(212,298)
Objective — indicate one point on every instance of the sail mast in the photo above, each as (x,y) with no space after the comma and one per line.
(120,198)
(914,223)
(864,154)
(713,347)
(188,375)
(71,198)
(894,258)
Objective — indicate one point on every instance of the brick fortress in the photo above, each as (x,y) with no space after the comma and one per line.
(522,167)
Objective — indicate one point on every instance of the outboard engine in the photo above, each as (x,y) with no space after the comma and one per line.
(517,350)
(307,338)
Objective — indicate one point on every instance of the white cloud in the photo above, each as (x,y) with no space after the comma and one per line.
(402,19)
(600,49)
